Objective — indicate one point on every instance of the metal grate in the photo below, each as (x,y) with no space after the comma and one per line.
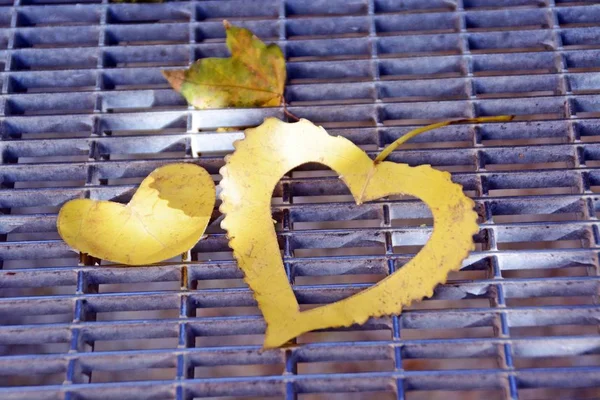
(86,113)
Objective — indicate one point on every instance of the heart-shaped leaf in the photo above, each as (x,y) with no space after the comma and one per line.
(274,148)
(166,216)
(254,75)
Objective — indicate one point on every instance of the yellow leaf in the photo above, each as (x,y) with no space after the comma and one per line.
(254,75)
(274,148)
(166,216)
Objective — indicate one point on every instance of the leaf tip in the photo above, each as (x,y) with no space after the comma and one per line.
(226,24)
(175,77)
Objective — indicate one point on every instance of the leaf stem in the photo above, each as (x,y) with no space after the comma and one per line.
(398,142)
(289,113)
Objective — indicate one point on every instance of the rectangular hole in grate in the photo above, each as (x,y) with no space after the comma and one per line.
(580,38)
(34,348)
(592,360)
(145,132)
(347,367)
(56,82)
(418,45)
(335,252)
(554,330)
(245,398)
(147,13)
(5,20)
(526,273)
(578,61)
(19,107)
(347,396)
(550,301)
(316,225)
(578,17)
(330,94)
(3,41)
(343,49)
(236,10)
(50,290)
(212,255)
(220,283)
(32,379)
(146,156)
(54,59)
(133,79)
(448,333)
(137,315)
(447,89)
(440,364)
(340,72)
(213,32)
(230,340)
(518,218)
(544,244)
(48,262)
(521,86)
(520,211)
(46,319)
(337,279)
(156,34)
(406,24)
(32,236)
(413,6)
(399,114)
(57,16)
(323,28)
(514,64)
(67,156)
(56,2)
(138,287)
(345,336)
(134,344)
(420,68)
(121,102)
(121,181)
(509,4)
(145,56)
(227,312)
(60,37)
(496,21)
(217,371)
(467,275)
(128,375)
(298,8)
(558,393)
(456,394)
(429,304)
(586,107)
(532,191)
(48,184)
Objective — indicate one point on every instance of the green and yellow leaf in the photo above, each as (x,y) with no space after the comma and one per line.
(254,75)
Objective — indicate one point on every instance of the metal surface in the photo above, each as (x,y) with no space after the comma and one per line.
(86,113)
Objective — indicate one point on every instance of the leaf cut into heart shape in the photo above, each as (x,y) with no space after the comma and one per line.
(254,75)
(274,148)
(165,217)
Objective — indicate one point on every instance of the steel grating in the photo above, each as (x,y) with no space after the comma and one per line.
(86,113)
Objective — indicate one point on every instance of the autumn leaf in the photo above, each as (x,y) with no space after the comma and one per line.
(254,75)
(166,217)
(266,154)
